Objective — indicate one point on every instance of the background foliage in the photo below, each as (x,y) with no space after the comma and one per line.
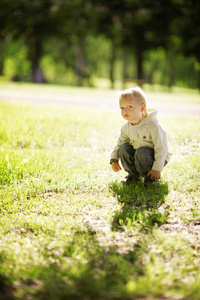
(75,42)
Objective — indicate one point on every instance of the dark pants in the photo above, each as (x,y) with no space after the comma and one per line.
(137,162)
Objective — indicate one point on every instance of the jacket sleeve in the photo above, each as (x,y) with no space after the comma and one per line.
(122,139)
(159,139)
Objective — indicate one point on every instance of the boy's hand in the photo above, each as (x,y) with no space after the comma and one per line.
(116,167)
(154,174)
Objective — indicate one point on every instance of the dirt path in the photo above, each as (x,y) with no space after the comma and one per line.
(93,100)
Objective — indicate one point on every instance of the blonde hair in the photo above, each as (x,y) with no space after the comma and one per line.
(136,93)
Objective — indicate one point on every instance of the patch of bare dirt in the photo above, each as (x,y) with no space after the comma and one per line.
(92,101)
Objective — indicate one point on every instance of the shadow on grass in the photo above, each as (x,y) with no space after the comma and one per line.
(85,271)
(140,205)
(82,269)
(6,292)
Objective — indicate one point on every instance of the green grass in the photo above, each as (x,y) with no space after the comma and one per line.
(71,230)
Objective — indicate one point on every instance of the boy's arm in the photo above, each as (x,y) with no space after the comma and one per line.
(122,139)
(159,139)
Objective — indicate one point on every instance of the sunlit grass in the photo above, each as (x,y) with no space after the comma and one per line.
(69,229)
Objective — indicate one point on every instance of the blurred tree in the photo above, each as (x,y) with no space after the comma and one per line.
(2,54)
(146,26)
(74,25)
(188,29)
(107,22)
(131,27)
(17,66)
(136,26)
(34,22)
(3,33)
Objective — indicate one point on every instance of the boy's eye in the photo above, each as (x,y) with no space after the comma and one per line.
(129,106)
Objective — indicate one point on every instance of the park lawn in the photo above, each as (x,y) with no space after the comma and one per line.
(71,230)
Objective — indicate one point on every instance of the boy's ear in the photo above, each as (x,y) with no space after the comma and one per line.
(143,106)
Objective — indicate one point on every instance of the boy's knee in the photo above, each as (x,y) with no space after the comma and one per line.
(140,152)
(123,149)
(144,153)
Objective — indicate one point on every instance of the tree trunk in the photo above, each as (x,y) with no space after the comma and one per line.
(112,65)
(125,66)
(198,82)
(81,63)
(139,59)
(171,69)
(35,53)
(124,69)
(2,52)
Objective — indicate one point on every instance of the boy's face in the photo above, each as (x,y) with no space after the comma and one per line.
(132,110)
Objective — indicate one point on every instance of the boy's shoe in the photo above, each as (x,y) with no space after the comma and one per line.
(129,179)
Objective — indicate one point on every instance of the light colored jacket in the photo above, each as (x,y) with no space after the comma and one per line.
(148,133)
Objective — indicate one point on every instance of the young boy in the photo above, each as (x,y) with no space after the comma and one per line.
(142,144)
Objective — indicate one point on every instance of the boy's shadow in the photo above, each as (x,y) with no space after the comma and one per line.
(140,206)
